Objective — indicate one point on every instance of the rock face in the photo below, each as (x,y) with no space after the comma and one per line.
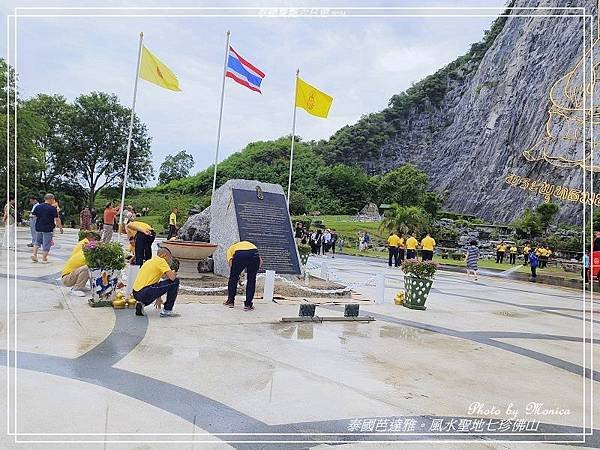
(196,228)
(476,135)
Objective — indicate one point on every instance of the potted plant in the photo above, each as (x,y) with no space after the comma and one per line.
(304,252)
(418,278)
(105,261)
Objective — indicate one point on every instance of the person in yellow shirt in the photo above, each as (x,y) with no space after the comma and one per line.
(172,224)
(242,255)
(75,272)
(543,254)
(148,286)
(411,247)
(89,236)
(512,255)
(526,254)
(143,236)
(427,244)
(393,242)
(500,251)
(401,248)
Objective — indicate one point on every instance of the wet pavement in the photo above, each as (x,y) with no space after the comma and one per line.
(491,362)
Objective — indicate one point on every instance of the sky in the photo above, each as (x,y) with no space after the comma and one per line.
(361,62)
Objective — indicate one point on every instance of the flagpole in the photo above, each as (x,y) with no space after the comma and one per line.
(293,139)
(137,70)
(214,186)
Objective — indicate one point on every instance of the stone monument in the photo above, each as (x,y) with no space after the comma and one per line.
(249,210)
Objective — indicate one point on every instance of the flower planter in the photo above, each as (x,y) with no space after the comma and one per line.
(103,283)
(304,258)
(417,290)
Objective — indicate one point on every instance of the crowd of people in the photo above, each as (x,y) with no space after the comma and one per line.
(542,253)
(402,247)
(321,242)
(152,277)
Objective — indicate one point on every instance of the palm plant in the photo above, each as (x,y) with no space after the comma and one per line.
(405,219)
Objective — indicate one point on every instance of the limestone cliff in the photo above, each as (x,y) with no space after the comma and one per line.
(488,111)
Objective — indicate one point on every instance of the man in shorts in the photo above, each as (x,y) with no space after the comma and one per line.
(46,220)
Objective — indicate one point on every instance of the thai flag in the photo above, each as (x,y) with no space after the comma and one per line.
(241,71)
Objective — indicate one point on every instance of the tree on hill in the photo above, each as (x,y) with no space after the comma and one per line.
(53,110)
(547,212)
(432,203)
(175,167)
(349,184)
(96,137)
(529,225)
(27,154)
(405,186)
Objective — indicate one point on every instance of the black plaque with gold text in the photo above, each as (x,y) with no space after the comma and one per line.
(263,219)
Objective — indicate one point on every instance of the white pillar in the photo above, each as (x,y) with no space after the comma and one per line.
(324,271)
(132,272)
(269,285)
(380,289)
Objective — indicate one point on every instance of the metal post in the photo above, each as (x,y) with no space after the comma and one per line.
(214,186)
(137,71)
(380,288)
(292,146)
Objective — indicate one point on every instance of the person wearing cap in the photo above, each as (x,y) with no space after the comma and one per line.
(242,255)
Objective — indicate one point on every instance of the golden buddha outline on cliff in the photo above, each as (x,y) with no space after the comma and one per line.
(570,115)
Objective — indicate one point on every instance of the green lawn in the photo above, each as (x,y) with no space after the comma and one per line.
(348,229)
(491,264)
(155,222)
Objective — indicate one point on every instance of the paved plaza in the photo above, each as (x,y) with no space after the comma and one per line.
(102,377)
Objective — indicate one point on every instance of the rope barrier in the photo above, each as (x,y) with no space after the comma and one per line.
(348,285)
(201,289)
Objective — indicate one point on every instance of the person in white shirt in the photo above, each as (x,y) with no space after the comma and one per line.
(33,201)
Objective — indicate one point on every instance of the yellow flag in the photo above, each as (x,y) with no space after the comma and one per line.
(154,71)
(312,100)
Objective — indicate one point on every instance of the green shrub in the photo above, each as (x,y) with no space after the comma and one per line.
(104,255)
(82,234)
(419,269)
(303,249)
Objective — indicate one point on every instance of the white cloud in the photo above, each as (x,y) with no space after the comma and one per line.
(361,62)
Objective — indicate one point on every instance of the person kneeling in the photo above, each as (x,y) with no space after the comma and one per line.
(240,256)
(75,273)
(147,288)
